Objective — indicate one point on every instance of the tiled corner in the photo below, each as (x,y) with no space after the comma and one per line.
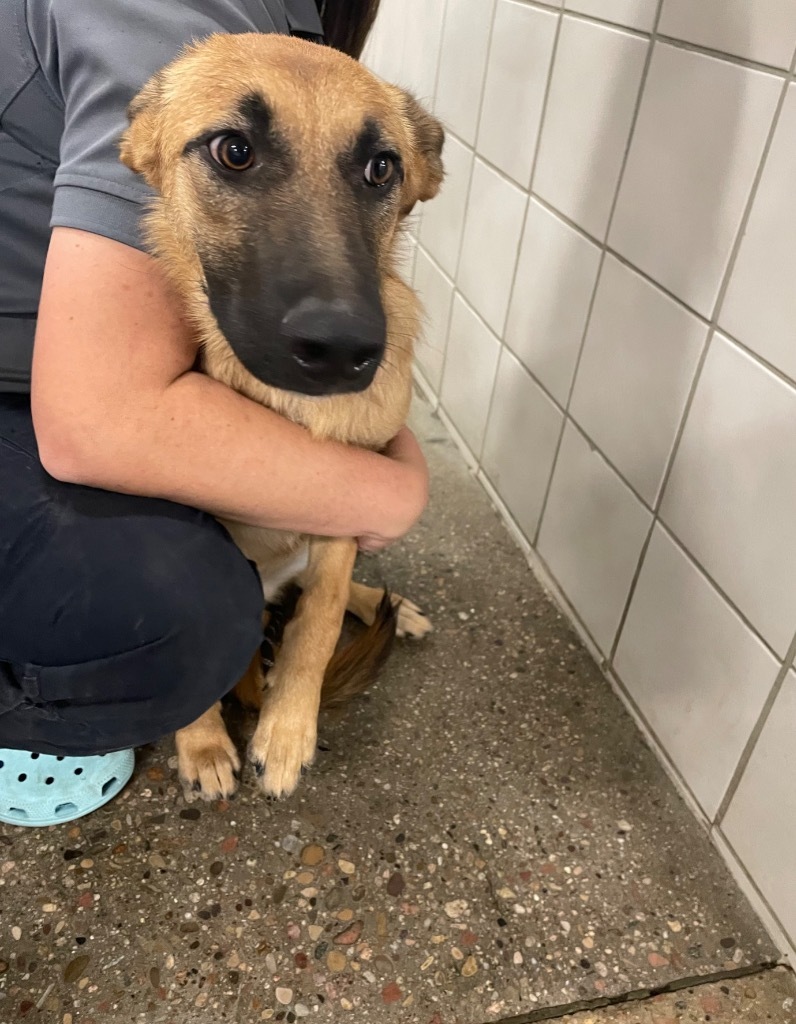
(521,440)
(760,305)
(761,820)
(637,14)
(635,374)
(763,31)
(593,94)
(492,230)
(555,280)
(435,291)
(592,534)
(467,31)
(697,673)
(732,493)
(516,80)
(696,148)
(470,367)
(443,218)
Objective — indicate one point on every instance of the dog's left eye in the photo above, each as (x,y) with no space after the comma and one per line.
(380,171)
(232,151)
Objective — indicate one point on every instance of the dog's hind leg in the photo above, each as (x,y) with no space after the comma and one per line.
(286,734)
(209,765)
(363,602)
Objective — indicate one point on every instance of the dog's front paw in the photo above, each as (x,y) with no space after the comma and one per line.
(411,622)
(282,745)
(209,769)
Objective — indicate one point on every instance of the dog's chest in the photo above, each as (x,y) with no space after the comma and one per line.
(275,577)
(280,557)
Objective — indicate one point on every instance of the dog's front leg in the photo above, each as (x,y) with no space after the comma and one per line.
(287,730)
(208,761)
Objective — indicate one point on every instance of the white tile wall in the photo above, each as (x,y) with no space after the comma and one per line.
(467,30)
(711,612)
(761,820)
(516,80)
(698,143)
(593,93)
(521,442)
(407,251)
(421,36)
(763,31)
(698,674)
(638,14)
(492,230)
(470,367)
(384,48)
(591,537)
(635,374)
(760,307)
(731,498)
(555,279)
(436,294)
(443,220)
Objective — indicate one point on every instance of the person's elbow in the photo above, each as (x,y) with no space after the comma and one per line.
(76,445)
(63,451)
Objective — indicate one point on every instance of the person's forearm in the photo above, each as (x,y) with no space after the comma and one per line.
(115,405)
(201,444)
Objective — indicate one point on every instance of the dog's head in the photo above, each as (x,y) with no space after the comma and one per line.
(283,170)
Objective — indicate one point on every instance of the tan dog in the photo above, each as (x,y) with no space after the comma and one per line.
(283,170)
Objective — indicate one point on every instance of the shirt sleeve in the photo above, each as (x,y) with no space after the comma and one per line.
(97,54)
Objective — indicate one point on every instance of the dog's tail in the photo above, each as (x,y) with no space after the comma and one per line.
(352,669)
(355,667)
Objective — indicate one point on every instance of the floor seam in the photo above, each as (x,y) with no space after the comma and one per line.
(641,995)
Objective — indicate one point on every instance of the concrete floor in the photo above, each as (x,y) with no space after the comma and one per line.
(485,837)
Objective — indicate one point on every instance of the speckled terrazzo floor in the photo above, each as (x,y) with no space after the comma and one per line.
(483,837)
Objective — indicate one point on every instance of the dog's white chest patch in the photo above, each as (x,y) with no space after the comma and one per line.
(283,572)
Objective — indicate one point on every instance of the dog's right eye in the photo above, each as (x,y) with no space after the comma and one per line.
(233,152)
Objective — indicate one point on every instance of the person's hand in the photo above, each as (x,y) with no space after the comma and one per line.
(409,497)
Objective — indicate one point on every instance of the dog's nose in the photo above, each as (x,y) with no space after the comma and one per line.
(335,346)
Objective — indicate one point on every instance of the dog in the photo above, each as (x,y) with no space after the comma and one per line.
(282,172)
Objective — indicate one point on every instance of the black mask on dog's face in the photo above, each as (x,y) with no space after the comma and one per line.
(288,192)
(297,293)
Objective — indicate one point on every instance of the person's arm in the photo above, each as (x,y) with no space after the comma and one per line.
(117,405)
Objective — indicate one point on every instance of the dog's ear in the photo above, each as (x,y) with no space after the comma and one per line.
(140,145)
(426,172)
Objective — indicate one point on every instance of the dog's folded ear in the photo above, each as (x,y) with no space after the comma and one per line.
(140,144)
(426,171)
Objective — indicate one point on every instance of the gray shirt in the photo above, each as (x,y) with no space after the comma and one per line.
(68,69)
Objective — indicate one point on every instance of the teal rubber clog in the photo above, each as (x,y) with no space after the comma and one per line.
(39,789)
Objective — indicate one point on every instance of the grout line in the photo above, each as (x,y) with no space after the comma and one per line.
(568,418)
(473,150)
(728,58)
(594,19)
(713,330)
(728,853)
(713,327)
(755,734)
(718,588)
(521,237)
(439,52)
(659,497)
(680,44)
(603,249)
(628,264)
(640,995)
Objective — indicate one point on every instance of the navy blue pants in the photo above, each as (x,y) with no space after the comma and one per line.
(122,619)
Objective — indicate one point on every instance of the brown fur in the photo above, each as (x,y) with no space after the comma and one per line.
(319,100)
(352,669)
